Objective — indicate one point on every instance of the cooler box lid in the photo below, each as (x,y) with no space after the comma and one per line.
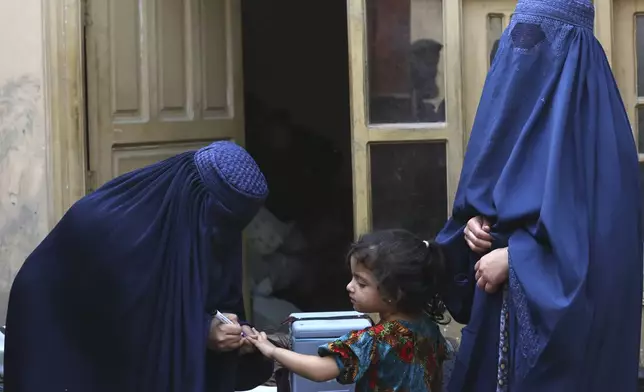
(327,324)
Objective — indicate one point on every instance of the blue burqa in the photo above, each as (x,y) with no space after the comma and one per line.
(119,296)
(552,164)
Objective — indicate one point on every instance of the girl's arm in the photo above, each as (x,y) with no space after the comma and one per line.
(314,368)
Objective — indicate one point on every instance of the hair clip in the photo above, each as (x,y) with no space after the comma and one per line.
(426,243)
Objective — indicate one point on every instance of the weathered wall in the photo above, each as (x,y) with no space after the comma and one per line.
(23,142)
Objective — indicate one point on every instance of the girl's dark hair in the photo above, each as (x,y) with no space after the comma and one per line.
(409,272)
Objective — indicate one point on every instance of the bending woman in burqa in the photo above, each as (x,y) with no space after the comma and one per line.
(551,167)
(120,295)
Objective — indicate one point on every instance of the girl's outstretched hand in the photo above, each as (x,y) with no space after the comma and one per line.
(313,367)
(261,342)
(247,347)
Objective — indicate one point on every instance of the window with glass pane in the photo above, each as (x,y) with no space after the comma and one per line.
(639,52)
(409,187)
(639,61)
(494,32)
(405,55)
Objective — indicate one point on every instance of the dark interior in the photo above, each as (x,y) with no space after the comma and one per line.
(298,129)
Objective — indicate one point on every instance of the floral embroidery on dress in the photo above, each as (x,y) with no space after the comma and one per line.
(391,356)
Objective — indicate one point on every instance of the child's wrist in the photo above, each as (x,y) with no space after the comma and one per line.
(275,353)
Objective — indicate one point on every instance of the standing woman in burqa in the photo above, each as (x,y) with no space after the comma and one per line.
(120,295)
(547,275)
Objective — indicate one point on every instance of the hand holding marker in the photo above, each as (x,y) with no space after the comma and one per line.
(226,320)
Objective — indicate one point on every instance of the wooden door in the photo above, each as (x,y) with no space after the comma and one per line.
(407,130)
(483,23)
(163,77)
(406,118)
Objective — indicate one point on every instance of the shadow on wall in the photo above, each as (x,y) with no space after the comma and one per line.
(23,190)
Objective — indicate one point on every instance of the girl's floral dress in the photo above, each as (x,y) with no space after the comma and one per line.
(391,356)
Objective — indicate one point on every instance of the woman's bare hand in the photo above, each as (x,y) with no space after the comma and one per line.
(492,270)
(477,235)
(225,337)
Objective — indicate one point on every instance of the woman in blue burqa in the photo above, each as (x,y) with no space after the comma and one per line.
(548,272)
(120,295)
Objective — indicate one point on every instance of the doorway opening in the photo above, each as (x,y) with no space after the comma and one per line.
(297,116)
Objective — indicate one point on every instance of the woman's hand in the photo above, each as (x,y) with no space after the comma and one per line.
(225,337)
(492,270)
(261,342)
(477,235)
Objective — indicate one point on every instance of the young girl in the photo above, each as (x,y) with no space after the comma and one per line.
(399,276)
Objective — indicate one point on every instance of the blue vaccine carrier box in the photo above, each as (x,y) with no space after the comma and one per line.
(313,329)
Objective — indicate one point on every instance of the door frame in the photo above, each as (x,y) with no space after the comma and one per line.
(65,115)
(604,26)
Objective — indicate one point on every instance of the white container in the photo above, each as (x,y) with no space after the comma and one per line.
(311,330)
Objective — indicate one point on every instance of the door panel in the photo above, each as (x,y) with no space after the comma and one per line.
(483,24)
(126,159)
(164,76)
(405,101)
(407,131)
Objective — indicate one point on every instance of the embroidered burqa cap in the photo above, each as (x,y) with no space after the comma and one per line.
(118,296)
(552,164)
(227,164)
(232,175)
